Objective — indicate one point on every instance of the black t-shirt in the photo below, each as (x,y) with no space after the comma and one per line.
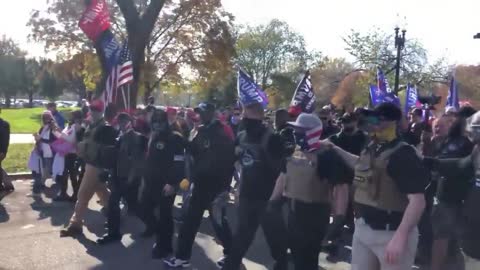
(329,130)
(406,169)
(353,144)
(261,187)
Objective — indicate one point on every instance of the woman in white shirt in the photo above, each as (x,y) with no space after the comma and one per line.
(67,156)
(42,156)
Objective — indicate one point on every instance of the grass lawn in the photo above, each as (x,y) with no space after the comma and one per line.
(27,120)
(17,158)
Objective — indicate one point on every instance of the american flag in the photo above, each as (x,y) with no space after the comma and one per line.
(125,66)
(120,75)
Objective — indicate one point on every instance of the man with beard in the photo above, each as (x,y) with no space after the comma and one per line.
(130,152)
(261,155)
(98,138)
(329,128)
(212,151)
(165,168)
(285,131)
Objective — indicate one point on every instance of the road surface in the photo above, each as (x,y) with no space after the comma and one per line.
(29,240)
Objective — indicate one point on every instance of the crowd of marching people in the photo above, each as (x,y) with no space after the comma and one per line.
(406,187)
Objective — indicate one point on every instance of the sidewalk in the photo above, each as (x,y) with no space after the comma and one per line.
(21,138)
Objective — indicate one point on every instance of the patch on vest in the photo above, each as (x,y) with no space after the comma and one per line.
(160,146)
(247,159)
(206,144)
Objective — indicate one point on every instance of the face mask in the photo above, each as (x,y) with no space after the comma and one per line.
(251,124)
(348,130)
(159,127)
(301,140)
(96,115)
(235,120)
(386,135)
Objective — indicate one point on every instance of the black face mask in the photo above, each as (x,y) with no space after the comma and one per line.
(251,125)
(349,130)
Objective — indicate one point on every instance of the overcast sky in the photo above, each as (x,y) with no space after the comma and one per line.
(444,27)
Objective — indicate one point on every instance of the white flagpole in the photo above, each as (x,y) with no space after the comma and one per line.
(124,98)
(128,95)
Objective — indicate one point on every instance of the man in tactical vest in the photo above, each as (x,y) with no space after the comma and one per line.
(261,156)
(130,151)
(213,156)
(462,169)
(165,168)
(94,149)
(389,200)
(307,181)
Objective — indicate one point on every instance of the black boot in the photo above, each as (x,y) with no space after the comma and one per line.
(71,231)
(109,238)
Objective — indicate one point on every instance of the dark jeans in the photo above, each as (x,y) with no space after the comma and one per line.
(70,171)
(117,191)
(164,225)
(251,215)
(218,218)
(307,225)
(200,201)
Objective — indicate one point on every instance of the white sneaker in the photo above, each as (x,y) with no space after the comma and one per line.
(221,262)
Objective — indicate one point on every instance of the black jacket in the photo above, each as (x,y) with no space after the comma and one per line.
(213,156)
(4,136)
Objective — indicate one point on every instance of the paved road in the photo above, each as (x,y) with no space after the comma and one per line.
(21,138)
(29,240)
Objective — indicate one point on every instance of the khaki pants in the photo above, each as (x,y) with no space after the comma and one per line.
(368,249)
(471,263)
(90,185)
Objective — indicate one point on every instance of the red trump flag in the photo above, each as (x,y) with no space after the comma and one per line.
(95,19)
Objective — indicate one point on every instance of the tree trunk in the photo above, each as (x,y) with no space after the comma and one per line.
(30,99)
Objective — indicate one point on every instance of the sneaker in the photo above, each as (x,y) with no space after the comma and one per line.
(61,198)
(71,231)
(177,263)
(109,238)
(221,262)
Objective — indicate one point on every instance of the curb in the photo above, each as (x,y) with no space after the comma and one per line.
(20,175)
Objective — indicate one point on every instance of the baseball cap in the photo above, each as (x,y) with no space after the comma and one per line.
(97,105)
(205,107)
(307,121)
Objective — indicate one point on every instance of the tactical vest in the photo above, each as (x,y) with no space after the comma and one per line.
(88,149)
(302,181)
(374,186)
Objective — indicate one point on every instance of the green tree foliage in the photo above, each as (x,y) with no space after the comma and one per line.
(377,49)
(272,48)
(12,69)
(50,86)
(163,35)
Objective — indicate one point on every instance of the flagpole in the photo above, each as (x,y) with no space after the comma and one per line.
(123,95)
(128,95)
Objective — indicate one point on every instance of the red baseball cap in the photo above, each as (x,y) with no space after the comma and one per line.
(97,105)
